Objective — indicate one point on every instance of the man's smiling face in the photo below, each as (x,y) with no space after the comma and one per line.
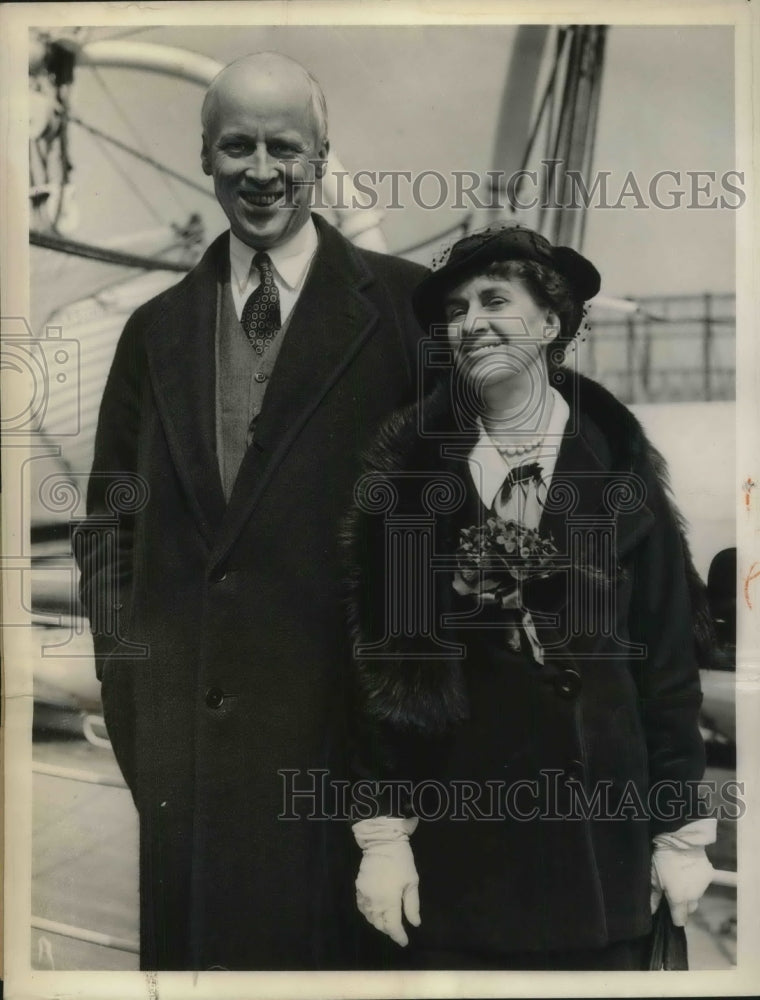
(263,147)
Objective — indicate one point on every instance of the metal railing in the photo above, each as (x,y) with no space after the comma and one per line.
(678,348)
(90,937)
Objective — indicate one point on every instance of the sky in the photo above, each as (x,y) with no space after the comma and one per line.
(428,98)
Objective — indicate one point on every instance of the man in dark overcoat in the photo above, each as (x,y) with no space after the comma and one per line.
(239,401)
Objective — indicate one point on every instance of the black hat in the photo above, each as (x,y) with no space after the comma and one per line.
(480,249)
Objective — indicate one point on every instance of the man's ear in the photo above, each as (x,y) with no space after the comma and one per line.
(206,157)
(320,165)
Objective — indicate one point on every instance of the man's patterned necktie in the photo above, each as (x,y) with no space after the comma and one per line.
(261,313)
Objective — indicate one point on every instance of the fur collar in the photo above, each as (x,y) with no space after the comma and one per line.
(429,696)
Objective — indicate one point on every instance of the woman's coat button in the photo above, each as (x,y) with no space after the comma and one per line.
(574,771)
(568,684)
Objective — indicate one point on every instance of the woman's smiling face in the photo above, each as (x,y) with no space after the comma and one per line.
(497,328)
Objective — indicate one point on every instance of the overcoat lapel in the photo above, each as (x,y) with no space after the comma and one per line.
(577,485)
(181,360)
(330,322)
(585,485)
(586,492)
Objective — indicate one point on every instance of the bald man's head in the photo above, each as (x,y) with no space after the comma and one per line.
(272,68)
(265,144)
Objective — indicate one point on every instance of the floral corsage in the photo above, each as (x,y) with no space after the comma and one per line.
(495,558)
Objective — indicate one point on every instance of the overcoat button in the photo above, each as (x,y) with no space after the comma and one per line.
(214,697)
(574,771)
(260,377)
(567,684)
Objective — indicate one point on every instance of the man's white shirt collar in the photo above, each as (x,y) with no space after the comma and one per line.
(290,262)
(489,468)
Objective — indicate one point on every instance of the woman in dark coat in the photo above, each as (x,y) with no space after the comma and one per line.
(528,630)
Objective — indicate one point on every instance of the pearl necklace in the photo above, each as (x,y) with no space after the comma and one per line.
(523,447)
(514,450)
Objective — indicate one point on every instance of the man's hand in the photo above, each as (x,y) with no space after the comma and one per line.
(681,870)
(387,879)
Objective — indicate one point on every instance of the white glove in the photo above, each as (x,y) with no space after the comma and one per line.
(680,868)
(387,875)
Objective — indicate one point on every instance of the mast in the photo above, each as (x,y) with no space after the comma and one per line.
(547,128)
